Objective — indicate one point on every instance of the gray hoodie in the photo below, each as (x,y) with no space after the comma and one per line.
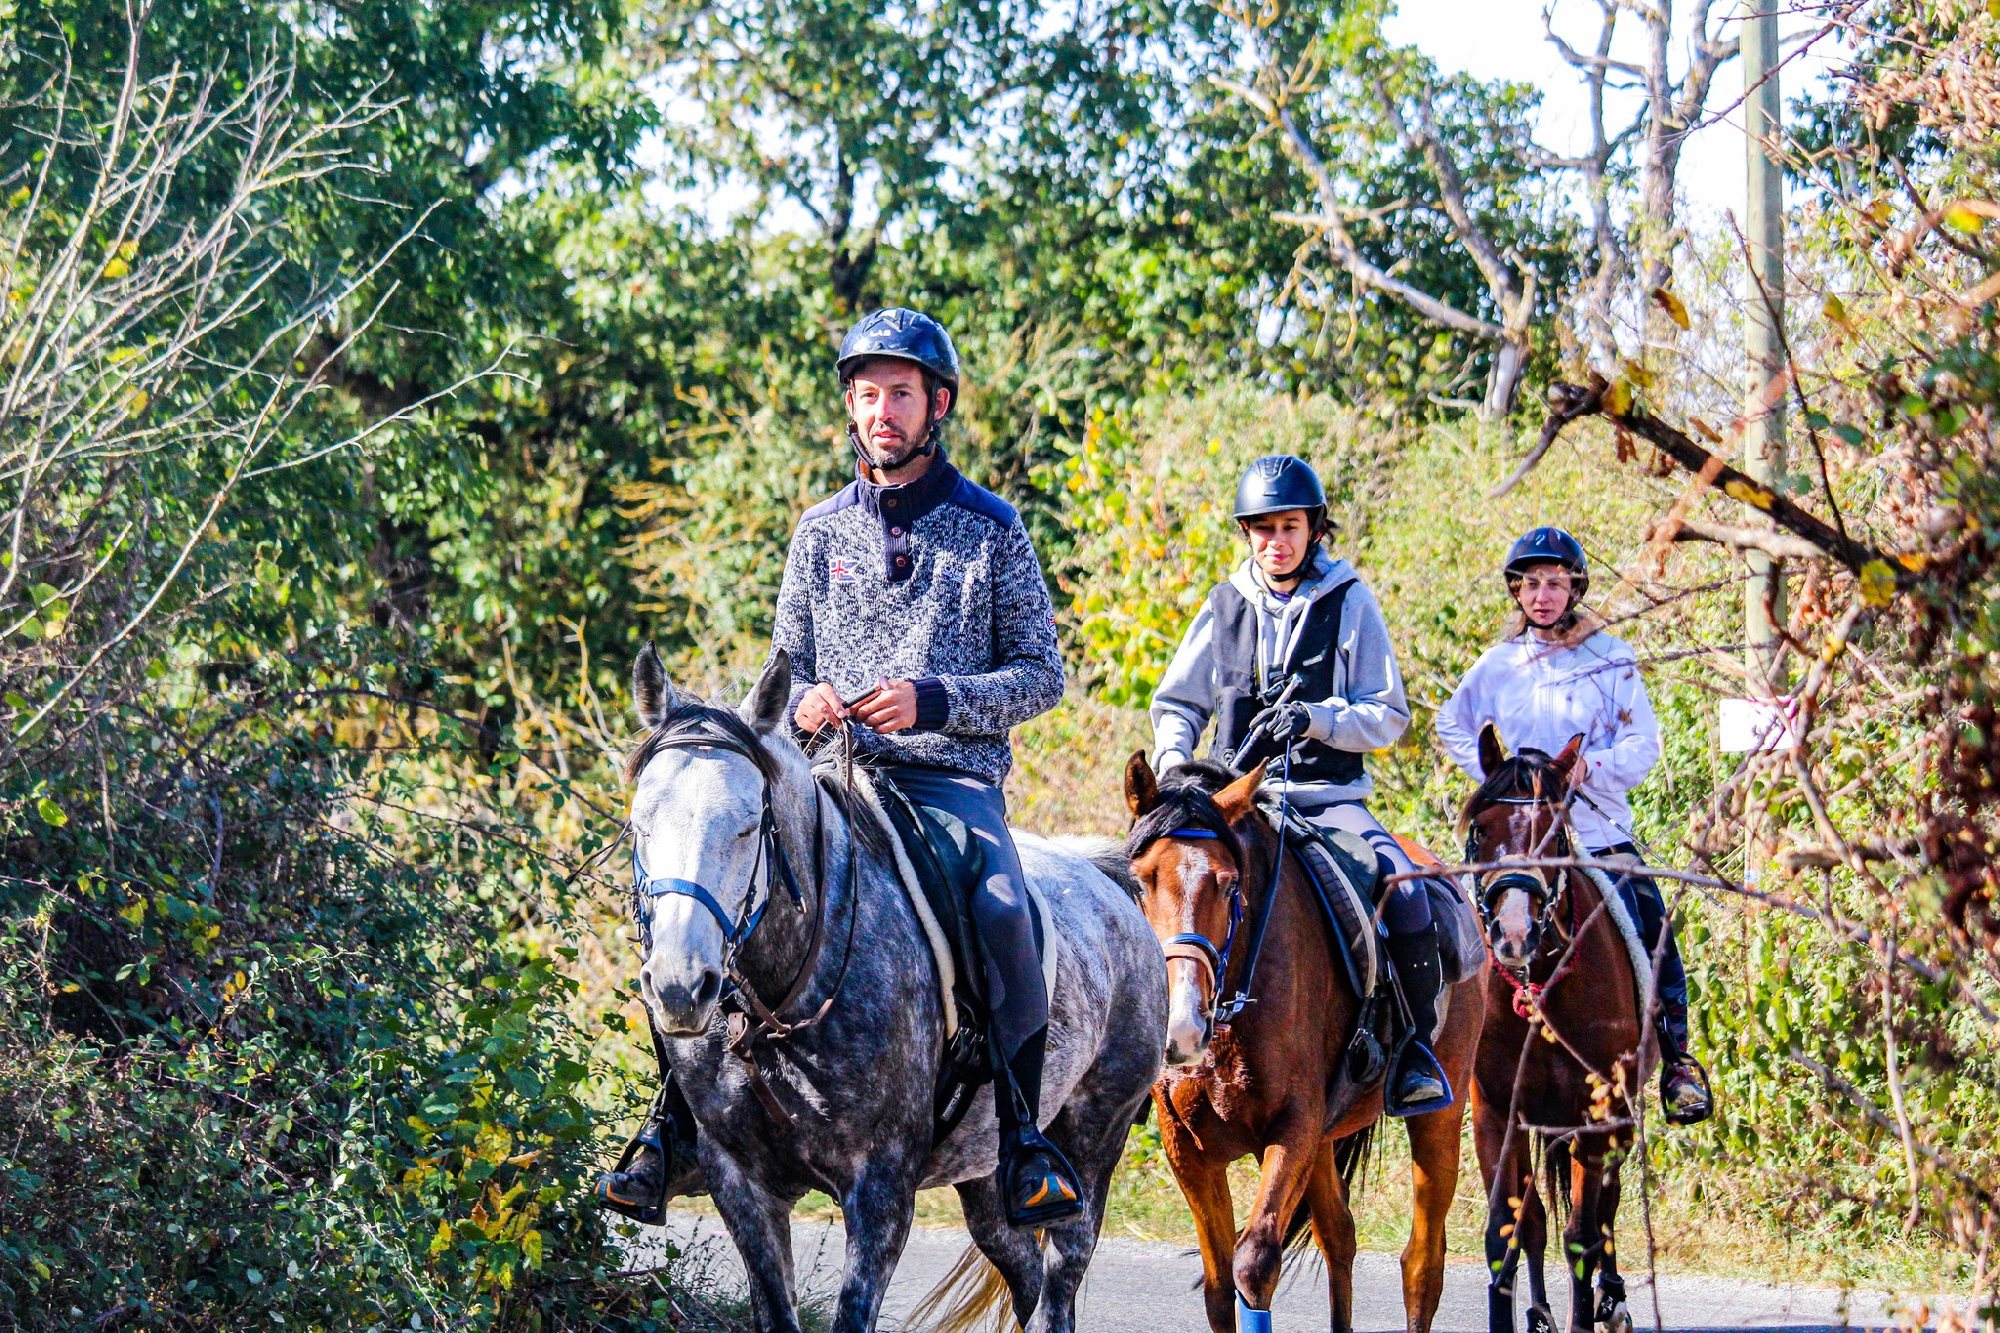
(1366,712)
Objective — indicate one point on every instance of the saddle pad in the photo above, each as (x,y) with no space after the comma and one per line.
(934,931)
(1345,885)
(1628,930)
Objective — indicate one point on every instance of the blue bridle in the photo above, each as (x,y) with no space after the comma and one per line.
(770,851)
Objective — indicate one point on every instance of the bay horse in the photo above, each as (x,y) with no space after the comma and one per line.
(1561,1065)
(754,881)
(1269,1082)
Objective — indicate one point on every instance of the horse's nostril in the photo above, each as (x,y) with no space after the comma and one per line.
(706,988)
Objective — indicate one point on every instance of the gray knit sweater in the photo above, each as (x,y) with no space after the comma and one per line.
(933,581)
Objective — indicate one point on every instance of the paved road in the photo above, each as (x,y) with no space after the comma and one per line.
(1142,1287)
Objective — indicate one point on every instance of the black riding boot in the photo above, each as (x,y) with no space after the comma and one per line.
(1416,1083)
(1684,1091)
(658,1163)
(1038,1186)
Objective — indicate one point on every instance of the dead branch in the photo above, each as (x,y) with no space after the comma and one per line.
(1740,538)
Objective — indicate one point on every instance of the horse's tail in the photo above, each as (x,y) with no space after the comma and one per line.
(1555,1181)
(970,1298)
(1350,1158)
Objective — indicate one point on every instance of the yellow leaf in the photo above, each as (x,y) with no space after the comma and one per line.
(1745,493)
(525,1159)
(1618,399)
(441,1241)
(1835,311)
(19,197)
(1963,217)
(1638,374)
(1914,561)
(1670,303)
(1878,583)
(134,912)
(135,401)
(116,268)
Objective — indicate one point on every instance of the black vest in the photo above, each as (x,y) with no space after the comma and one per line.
(1313,660)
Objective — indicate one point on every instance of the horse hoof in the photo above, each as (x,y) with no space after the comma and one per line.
(1540,1320)
(1616,1319)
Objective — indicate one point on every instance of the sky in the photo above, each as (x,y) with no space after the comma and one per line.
(1495,39)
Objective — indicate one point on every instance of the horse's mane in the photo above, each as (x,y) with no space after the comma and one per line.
(1187,801)
(688,715)
(1523,773)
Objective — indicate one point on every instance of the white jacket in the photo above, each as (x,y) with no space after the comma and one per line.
(1367,711)
(1541,694)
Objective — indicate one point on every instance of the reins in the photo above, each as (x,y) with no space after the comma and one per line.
(750,1020)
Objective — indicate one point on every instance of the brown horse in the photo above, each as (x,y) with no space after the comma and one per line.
(1561,1064)
(1269,1081)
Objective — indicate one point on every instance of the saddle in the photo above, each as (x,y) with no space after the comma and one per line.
(1348,878)
(941,864)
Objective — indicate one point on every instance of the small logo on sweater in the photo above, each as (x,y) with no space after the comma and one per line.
(840,569)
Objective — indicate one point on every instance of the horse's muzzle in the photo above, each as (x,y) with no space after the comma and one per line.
(682,1007)
(1187,1025)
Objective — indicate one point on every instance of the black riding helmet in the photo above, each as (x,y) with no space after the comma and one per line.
(1279,482)
(1541,546)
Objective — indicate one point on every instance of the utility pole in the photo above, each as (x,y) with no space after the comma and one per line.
(1764,407)
(1764,308)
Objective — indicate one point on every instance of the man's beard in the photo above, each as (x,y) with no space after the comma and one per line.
(895,453)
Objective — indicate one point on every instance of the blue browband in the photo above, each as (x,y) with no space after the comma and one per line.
(1192,833)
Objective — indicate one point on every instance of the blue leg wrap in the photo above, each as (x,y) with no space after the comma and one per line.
(1249,1320)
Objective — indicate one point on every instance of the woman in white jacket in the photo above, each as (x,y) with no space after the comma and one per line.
(1556,675)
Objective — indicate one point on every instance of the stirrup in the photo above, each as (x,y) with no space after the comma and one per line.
(1053,1193)
(1419,1054)
(650,1211)
(1696,1077)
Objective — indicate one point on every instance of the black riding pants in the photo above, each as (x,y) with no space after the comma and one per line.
(1014,988)
(1649,912)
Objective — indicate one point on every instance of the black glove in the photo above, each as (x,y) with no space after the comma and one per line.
(1283,723)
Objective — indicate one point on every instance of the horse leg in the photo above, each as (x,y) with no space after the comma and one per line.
(1434,1141)
(1333,1228)
(1612,1311)
(1505,1168)
(1016,1254)
(1206,1185)
(876,1210)
(1581,1241)
(1281,1184)
(1533,1234)
(1072,1243)
(760,1223)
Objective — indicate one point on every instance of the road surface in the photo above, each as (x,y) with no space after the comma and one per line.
(1147,1287)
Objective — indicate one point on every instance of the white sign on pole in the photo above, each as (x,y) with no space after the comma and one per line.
(1754,724)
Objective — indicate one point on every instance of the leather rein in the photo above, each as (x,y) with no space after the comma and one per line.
(750,1019)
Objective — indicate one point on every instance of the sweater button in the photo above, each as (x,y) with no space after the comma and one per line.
(901,561)
(895,532)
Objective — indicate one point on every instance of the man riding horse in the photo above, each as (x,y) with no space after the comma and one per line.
(1292,655)
(914,606)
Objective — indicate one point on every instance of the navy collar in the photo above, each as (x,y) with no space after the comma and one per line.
(913,499)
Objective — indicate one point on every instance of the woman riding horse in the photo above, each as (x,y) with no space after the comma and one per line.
(1295,621)
(1558,674)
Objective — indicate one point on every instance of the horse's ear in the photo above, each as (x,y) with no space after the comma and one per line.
(1568,763)
(1491,755)
(652,692)
(766,706)
(1142,789)
(1236,799)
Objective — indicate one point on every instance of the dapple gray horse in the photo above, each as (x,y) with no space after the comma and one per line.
(854,1089)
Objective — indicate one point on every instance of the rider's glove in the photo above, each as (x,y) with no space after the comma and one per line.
(1284,723)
